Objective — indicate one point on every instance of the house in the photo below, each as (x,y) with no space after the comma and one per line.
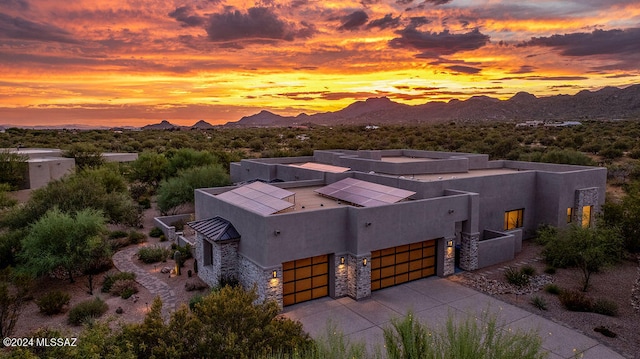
(346,223)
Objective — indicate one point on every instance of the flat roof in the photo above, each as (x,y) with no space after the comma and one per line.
(307,197)
(363,193)
(403,159)
(321,167)
(469,174)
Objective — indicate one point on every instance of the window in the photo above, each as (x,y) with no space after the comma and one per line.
(513,219)
(586,216)
(208,252)
(569,213)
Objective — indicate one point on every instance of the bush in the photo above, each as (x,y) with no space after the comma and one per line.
(528,270)
(53,302)
(539,302)
(605,307)
(550,270)
(163,238)
(575,301)
(153,254)
(87,310)
(124,288)
(179,224)
(552,289)
(155,232)
(228,281)
(516,277)
(117,234)
(111,278)
(137,237)
(194,300)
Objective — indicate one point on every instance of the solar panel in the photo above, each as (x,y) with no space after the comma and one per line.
(258,197)
(363,193)
(322,167)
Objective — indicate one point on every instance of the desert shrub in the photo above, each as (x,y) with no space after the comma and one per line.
(179,224)
(117,234)
(185,250)
(550,270)
(552,289)
(155,232)
(153,254)
(87,310)
(163,238)
(136,237)
(605,307)
(124,288)
(194,301)
(575,301)
(228,281)
(539,302)
(53,302)
(111,278)
(516,277)
(528,270)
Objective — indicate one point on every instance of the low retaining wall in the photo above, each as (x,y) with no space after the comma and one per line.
(496,247)
(165,224)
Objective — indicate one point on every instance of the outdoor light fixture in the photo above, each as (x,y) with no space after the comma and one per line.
(276,232)
(364,262)
(450,243)
(451,211)
(367,224)
(275,273)
(341,260)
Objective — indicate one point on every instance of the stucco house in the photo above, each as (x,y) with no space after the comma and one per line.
(346,223)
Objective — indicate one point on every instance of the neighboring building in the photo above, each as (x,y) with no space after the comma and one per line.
(344,223)
(46,164)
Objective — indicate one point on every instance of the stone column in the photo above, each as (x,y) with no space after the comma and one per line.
(341,283)
(585,197)
(359,276)
(469,251)
(225,258)
(449,256)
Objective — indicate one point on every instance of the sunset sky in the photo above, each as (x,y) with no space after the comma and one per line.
(117,62)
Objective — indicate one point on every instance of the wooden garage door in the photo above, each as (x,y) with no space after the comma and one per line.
(305,279)
(401,264)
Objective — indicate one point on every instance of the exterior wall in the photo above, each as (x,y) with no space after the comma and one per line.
(447,267)
(252,276)
(585,197)
(469,251)
(120,157)
(359,277)
(164,223)
(43,171)
(340,277)
(500,248)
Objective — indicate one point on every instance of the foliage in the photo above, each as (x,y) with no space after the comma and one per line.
(85,155)
(575,301)
(155,232)
(550,270)
(13,169)
(149,169)
(111,278)
(117,234)
(179,190)
(552,289)
(588,249)
(5,200)
(76,237)
(186,158)
(185,251)
(53,302)
(124,288)
(10,246)
(136,237)
(517,277)
(195,300)
(605,307)
(14,291)
(528,270)
(539,302)
(566,156)
(624,215)
(153,254)
(471,338)
(87,310)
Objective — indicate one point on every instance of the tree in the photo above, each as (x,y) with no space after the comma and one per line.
(86,155)
(588,249)
(61,240)
(5,200)
(178,191)
(13,169)
(186,158)
(149,168)
(624,215)
(14,290)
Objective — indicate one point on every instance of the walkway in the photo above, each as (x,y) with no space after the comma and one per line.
(432,300)
(123,260)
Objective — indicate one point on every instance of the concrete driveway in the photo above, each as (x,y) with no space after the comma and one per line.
(432,300)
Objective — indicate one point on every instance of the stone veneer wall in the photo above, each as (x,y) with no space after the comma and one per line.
(449,257)
(341,285)
(251,275)
(207,273)
(469,251)
(358,277)
(585,197)
(224,260)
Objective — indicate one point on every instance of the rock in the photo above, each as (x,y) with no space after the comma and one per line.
(165,270)
(119,310)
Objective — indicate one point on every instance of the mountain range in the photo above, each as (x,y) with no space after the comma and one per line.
(607,103)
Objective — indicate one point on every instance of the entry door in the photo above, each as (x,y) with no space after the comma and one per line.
(401,264)
(305,279)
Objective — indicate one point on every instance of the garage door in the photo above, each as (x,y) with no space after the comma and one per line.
(401,264)
(305,279)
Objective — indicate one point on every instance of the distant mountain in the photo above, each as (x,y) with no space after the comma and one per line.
(607,103)
(202,125)
(164,125)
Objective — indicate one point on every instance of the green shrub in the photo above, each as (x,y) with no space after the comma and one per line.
(179,224)
(153,254)
(605,307)
(552,289)
(137,237)
(117,234)
(87,310)
(163,238)
(516,277)
(53,302)
(194,301)
(111,278)
(528,270)
(575,301)
(155,232)
(539,302)
(550,270)
(124,288)
(228,281)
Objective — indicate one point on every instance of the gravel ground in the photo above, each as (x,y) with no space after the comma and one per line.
(620,284)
